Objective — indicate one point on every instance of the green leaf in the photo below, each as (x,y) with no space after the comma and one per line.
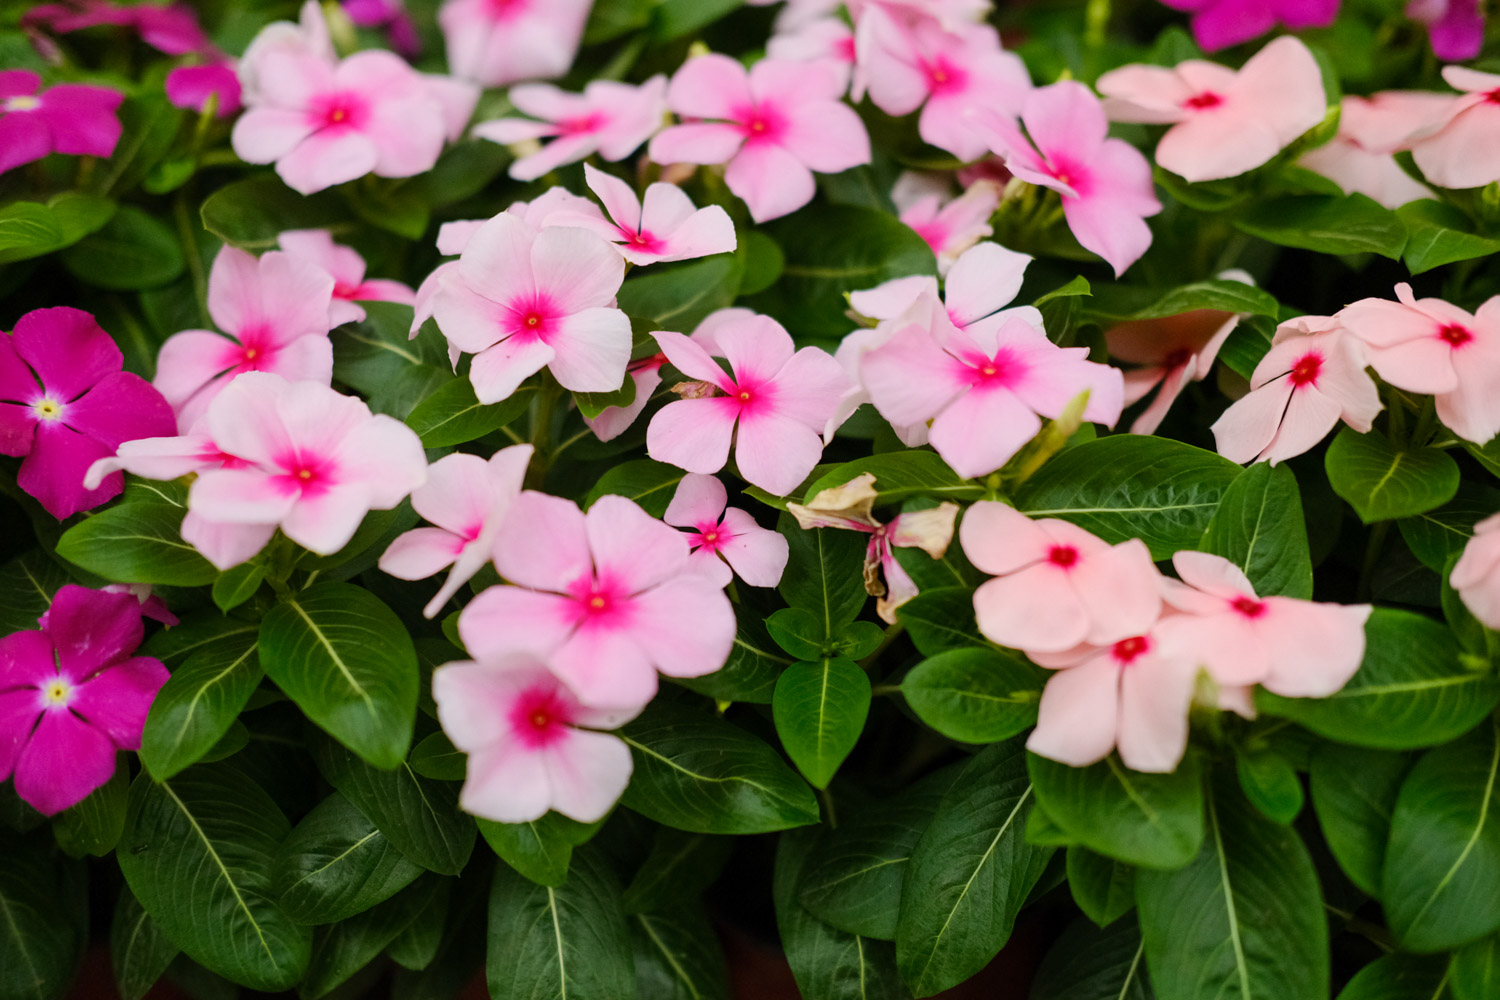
(696,772)
(237,585)
(149,125)
(452,415)
(1244,918)
(942,620)
(379,359)
(1475,972)
(1354,794)
(1411,690)
(675,18)
(348,662)
(199,702)
(763,259)
(137,543)
(1327,224)
(1259,528)
(1128,486)
(133,250)
(859,639)
(591,404)
(901,475)
(252,213)
(43,925)
(436,757)
(197,852)
(1103,888)
(93,826)
(1439,234)
(824,573)
(678,869)
(1399,977)
(970,874)
(799,633)
(1119,303)
(1382,482)
(342,949)
(138,949)
(1439,535)
(568,942)
(1151,820)
(819,710)
(752,669)
(416,947)
(27,584)
(1271,784)
(540,849)
(29,229)
(650,484)
(1088,963)
(336,864)
(1442,865)
(975,695)
(678,956)
(678,297)
(1247,345)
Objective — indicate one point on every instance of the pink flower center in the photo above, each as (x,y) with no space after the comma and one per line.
(934,233)
(539,718)
(599,602)
(341,109)
(750,395)
(711,535)
(534,317)
(581,125)
(1003,371)
(943,76)
(56,693)
(759,123)
(643,240)
(1306,370)
(1064,556)
(22,103)
(1455,335)
(505,9)
(1203,101)
(345,291)
(1248,606)
(304,475)
(256,349)
(1493,96)
(1128,650)
(1065,171)
(844,48)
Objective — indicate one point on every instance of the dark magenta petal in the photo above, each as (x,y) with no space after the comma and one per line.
(67,349)
(92,629)
(191,86)
(173,30)
(24,137)
(64,761)
(117,700)
(18,389)
(18,82)
(26,660)
(82,118)
(121,407)
(19,710)
(53,471)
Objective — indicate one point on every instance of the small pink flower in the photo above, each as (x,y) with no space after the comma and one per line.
(64,403)
(1312,377)
(608,118)
(1219,24)
(152,606)
(774,125)
(466,497)
(275,312)
(71,696)
(1105,183)
(497,42)
(1226,122)
(825,38)
(1172,351)
(73,118)
(773,404)
(725,541)
(948,225)
(666,227)
(607,599)
(1465,151)
(172,29)
(532,745)
(1476,575)
(315,247)
(1455,28)
(308,38)
(191,87)
(1056,586)
(1359,158)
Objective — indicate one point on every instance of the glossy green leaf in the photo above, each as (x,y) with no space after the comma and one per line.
(138,950)
(417,946)
(1382,482)
(252,213)
(899,476)
(43,918)
(820,710)
(30,229)
(1327,224)
(942,620)
(975,695)
(1259,528)
(236,586)
(678,956)
(378,358)
(199,702)
(799,633)
(678,297)
(1271,784)
(1120,302)
(540,849)
(436,757)
(1103,888)
(133,250)
(1475,971)
(824,573)
(27,584)
(1354,793)
(1438,234)
(650,484)
(452,415)
(342,949)
(1438,535)
(1088,963)
(1399,977)
(678,869)
(1151,820)
(137,543)
(94,825)
(336,864)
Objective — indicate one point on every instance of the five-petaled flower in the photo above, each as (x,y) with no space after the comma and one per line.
(73,118)
(725,540)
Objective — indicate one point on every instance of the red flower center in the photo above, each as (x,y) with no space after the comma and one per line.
(1455,335)
(1306,370)
(1207,99)
(1127,650)
(1248,606)
(539,717)
(1062,555)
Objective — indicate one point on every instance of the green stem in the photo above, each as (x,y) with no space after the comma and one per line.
(1372,558)
(189,238)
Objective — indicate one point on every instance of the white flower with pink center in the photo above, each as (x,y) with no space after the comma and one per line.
(608,118)
(315,247)
(666,226)
(725,540)
(497,42)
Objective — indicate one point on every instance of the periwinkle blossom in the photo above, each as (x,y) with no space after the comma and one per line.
(1224,122)
(193,87)
(1476,574)
(172,28)
(1312,377)
(65,403)
(949,225)
(1465,151)
(1171,352)
(664,226)
(465,498)
(73,118)
(1360,157)
(1219,24)
(315,248)
(772,404)
(773,125)
(609,118)
(1105,183)
(498,42)
(72,695)
(275,316)
(606,598)
(1455,28)
(725,541)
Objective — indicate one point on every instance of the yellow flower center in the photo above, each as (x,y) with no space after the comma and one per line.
(57,692)
(47,408)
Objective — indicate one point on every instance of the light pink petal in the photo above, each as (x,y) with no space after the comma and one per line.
(591,349)
(705,562)
(1119,588)
(1465,152)
(1111,225)
(692,434)
(615,420)
(685,627)
(1250,424)
(1284,84)
(755,348)
(665,207)
(188,361)
(985,278)
(496,260)
(776,452)
(707,231)
(771,181)
(459,494)
(505,620)
(688,356)
(709,86)
(982,430)
(809,387)
(506,783)
(1314,648)
(1223,143)
(557,153)
(619,198)
(1078,714)
(543,543)
(910,378)
(474,699)
(225,545)
(606,666)
(696,142)
(316,247)
(65,760)
(117,700)
(497,372)
(999,539)
(631,548)
(1155,693)
(757,555)
(828,137)
(241,496)
(1212,574)
(588,773)
(421,552)
(1065,118)
(892,298)
(1171,387)
(792,81)
(507,131)
(699,499)
(327,158)
(1036,608)
(1310,415)
(1154,95)
(266,134)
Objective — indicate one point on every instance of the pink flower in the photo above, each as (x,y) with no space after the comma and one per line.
(608,118)
(532,744)
(315,248)
(1218,24)
(1359,158)
(172,29)
(314,462)
(825,38)
(607,599)
(1465,151)
(774,126)
(1105,183)
(497,42)
(1056,586)
(390,15)
(1298,649)
(777,398)
(1312,377)
(725,539)
(949,225)
(307,38)
(72,118)
(64,402)
(1454,27)
(667,227)
(1226,122)
(466,497)
(520,300)
(1476,575)
(152,606)
(1172,351)
(71,696)
(1429,346)
(191,87)
(275,312)
(616,420)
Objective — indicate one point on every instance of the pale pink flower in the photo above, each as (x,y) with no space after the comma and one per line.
(315,247)
(1105,183)
(667,226)
(825,38)
(773,404)
(275,313)
(1172,351)
(466,498)
(1455,28)
(307,37)
(774,125)
(607,598)
(949,225)
(1312,377)
(521,300)
(1226,122)
(1056,586)
(73,118)
(1371,129)
(1432,347)
(1218,24)
(608,118)
(1295,648)
(531,744)
(726,542)
(1476,575)
(1465,151)
(497,42)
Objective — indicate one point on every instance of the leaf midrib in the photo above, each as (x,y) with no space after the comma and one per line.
(1484,814)
(333,654)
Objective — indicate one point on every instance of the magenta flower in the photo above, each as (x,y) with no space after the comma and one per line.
(725,541)
(667,227)
(608,118)
(72,118)
(497,42)
(948,225)
(606,599)
(275,312)
(1224,122)
(1476,575)
(532,744)
(1465,151)
(315,248)
(466,498)
(191,87)
(64,403)
(1455,28)
(773,404)
(1219,24)
(1105,183)
(773,125)
(1312,377)
(71,695)
(390,16)
(172,29)
(1172,351)
(1359,158)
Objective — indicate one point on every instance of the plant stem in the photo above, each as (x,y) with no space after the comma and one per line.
(1372,558)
